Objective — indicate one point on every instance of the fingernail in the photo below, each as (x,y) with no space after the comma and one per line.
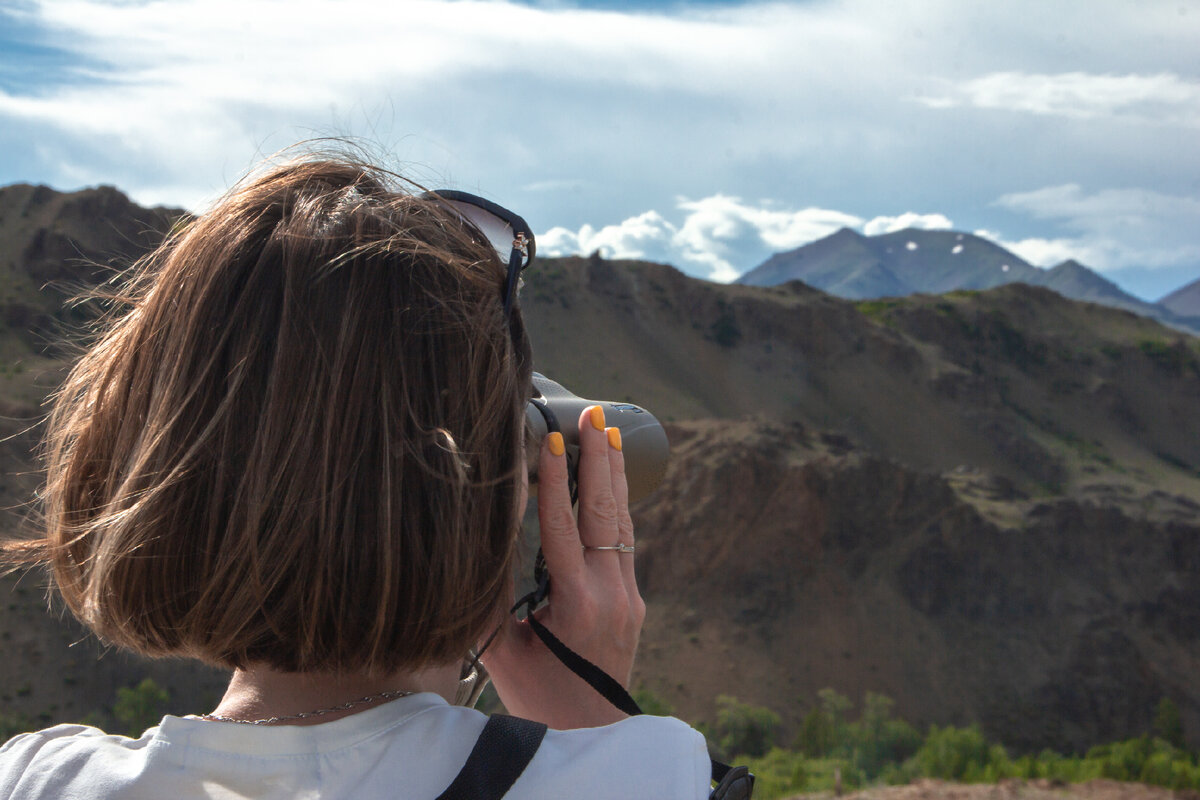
(614,438)
(555,441)
(597,415)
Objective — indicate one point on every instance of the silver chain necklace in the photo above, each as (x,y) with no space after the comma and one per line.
(307,714)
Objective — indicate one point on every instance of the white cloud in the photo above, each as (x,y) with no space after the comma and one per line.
(908,219)
(1135,206)
(1163,97)
(1050,252)
(1115,228)
(720,237)
(575,116)
(647,236)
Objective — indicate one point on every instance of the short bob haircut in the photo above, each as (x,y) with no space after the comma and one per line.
(300,446)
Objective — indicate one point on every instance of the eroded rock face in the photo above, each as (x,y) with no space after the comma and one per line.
(813,569)
(783,556)
(56,245)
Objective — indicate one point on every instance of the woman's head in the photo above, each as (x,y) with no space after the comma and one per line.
(301,446)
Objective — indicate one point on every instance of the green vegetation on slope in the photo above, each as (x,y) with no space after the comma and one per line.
(876,748)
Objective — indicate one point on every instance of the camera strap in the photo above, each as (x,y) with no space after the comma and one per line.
(733,783)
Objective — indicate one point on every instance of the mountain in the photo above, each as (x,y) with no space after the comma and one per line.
(985,504)
(1072,279)
(857,267)
(1184,301)
(52,245)
(920,496)
(914,261)
(998,379)
(844,264)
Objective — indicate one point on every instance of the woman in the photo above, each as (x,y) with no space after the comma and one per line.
(299,455)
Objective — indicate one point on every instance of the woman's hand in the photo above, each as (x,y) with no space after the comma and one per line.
(594,605)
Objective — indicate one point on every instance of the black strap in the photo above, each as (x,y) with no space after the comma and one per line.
(740,782)
(733,783)
(501,753)
(597,678)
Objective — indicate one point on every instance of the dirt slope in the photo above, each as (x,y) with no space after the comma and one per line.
(985,505)
(1019,383)
(776,561)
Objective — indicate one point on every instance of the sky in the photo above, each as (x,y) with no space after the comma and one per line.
(707,135)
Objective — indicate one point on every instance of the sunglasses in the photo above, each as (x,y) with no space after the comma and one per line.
(507,232)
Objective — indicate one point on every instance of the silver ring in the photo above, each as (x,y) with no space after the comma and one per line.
(620,548)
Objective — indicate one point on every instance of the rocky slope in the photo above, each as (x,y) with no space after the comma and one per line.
(780,561)
(982,503)
(52,245)
(1018,382)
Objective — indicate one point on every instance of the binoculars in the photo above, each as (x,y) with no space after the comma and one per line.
(643,440)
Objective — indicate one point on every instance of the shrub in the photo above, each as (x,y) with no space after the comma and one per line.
(817,736)
(744,729)
(651,703)
(1168,724)
(878,739)
(948,753)
(1170,770)
(778,773)
(1123,761)
(139,707)
(12,724)
(724,330)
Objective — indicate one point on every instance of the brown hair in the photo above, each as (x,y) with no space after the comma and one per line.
(300,446)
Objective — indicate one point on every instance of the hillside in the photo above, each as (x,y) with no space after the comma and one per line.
(778,561)
(857,267)
(53,244)
(925,500)
(984,504)
(1017,382)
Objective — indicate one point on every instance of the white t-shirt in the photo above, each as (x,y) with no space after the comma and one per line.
(408,748)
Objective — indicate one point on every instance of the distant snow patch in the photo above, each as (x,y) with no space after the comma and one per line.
(1004,268)
(911,246)
(958,248)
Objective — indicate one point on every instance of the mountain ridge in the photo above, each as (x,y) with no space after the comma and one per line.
(913,261)
(903,480)
(1185,300)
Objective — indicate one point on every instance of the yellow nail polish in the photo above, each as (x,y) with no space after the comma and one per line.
(597,416)
(614,438)
(555,441)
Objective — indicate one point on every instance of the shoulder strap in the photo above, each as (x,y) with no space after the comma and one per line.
(732,782)
(501,753)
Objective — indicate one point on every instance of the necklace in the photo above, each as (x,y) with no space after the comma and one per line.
(306,714)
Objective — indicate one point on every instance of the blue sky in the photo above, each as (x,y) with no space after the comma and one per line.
(703,134)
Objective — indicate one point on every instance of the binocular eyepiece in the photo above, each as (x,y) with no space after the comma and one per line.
(643,440)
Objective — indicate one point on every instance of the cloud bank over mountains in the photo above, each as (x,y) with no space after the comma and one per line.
(707,135)
(721,237)
(718,238)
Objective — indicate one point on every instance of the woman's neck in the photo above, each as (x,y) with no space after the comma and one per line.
(259,692)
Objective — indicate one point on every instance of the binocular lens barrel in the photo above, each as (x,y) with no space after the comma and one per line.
(643,440)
